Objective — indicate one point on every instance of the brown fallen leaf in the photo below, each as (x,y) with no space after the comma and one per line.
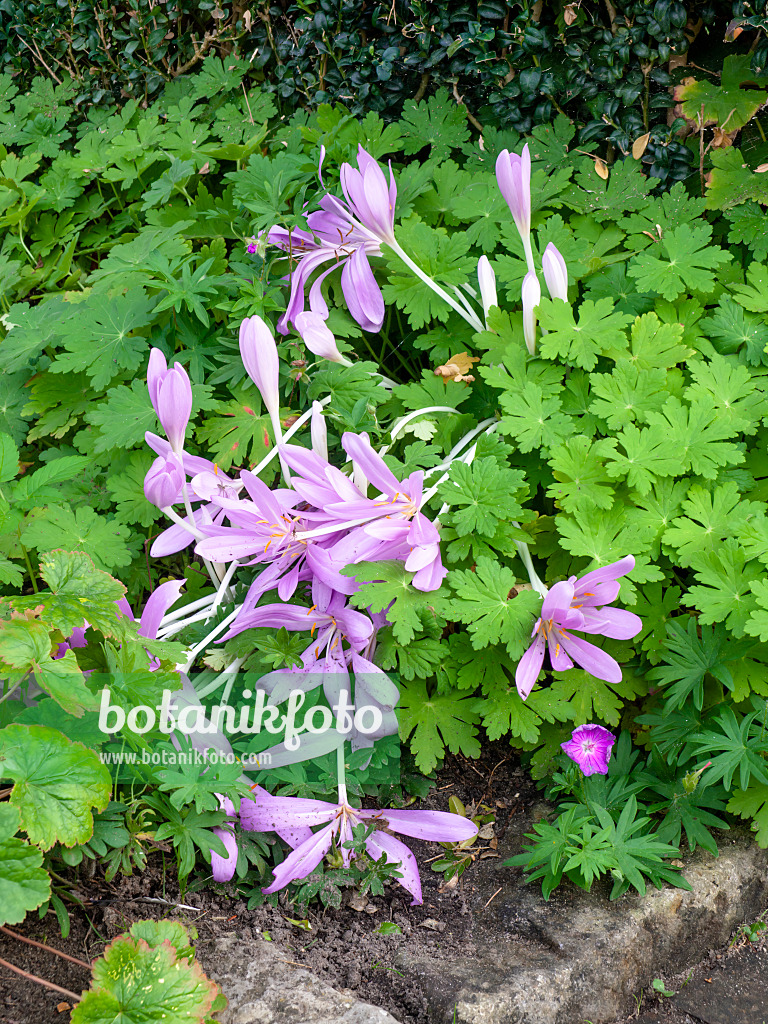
(433,925)
(457,368)
(640,145)
(63,1007)
(570,14)
(602,168)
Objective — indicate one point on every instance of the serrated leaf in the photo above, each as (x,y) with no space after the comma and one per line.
(435,722)
(599,329)
(389,581)
(83,530)
(684,261)
(56,784)
(24,883)
(437,122)
(482,495)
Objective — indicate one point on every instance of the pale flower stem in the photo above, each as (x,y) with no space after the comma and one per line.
(287,436)
(176,627)
(405,420)
(528,252)
(471,318)
(191,655)
(180,613)
(341,773)
(224,588)
(215,569)
(231,669)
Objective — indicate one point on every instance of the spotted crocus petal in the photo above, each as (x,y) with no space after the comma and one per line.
(434,826)
(223,868)
(397,853)
(303,860)
(529,666)
(294,835)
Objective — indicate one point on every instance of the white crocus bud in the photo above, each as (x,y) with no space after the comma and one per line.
(531,299)
(487,281)
(319,431)
(555,273)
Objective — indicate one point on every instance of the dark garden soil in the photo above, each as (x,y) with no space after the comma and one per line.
(342,947)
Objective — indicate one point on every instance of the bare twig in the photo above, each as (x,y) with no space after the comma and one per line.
(42,945)
(419,94)
(38,56)
(40,981)
(493,897)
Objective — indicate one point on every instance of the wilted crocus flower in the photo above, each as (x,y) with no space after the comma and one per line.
(260,815)
(590,747)
(343,233)
(513,174)
(575,604)
(531,299)
(318,338)
(555,273)
(171,394)
(487,281)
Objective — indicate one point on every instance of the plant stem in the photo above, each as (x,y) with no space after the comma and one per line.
(42,945)
(341,773)
(472,319)
(41,981)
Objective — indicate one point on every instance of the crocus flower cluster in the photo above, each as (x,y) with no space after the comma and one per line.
(581,605)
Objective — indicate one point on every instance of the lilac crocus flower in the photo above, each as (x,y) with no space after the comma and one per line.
(577,604)
(164,481)
(171,394)
(338,819)
(318,338)
(555,273)
(345,233)
(487,281)
(262,363)
(531,299)
(590,747)
(513,174)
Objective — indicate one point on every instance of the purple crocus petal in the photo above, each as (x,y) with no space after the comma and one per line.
(590,747)
(605,593)
(358,448)
(607,574)
(513,174)
(397,853)
(319,431)
(372,685)
(303,860)
(557,602)
(261,361)
(434,826)
(174,405)
(317,337)
(345,836)
(265,499)
(223,868)
(430,577)
(529,666)
(270,813)
(164,481)
(555,273)
(615,623)
(557,656)
(293,835)
(592,659)
(317,303)
(175,538)
(362,293)
(291,240)
(327,569)
(158,603)
(156,371)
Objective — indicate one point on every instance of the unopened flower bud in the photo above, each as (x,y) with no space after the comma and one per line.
(555,273)
(531,299)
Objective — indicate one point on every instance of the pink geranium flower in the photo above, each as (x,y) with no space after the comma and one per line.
(590,747)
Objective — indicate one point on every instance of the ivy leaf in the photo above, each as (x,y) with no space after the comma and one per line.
(442,256)
(599,328)
(353,390)
(485,494)
(24,883)
(437,122)
(646,456)
(732,391)
(697,435)
(690,265)
(63,679)
(726,101)
(136,984)
(606,536)
(710,516)
(56,783)
(656,344)
(627,395)
(581,479)
(78,590)
(387,582)
(31,330)
(14,413)
(724,591)
(101,339)
(533,420)
(732,181)
(436,722)
(82,530)
(752,803)
(494,609)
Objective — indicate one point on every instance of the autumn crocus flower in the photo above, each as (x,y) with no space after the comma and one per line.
(590,747)
(513,174)
(260,815)
(555,273)
(262,364)
(170,392)
(577,604)
(318,338)
(487,281)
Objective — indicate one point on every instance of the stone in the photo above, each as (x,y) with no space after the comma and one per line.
(263,987)
(581,956)
(734,990)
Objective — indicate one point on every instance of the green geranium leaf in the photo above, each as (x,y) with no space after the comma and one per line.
(56,783)
(24,884)
(689,262)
